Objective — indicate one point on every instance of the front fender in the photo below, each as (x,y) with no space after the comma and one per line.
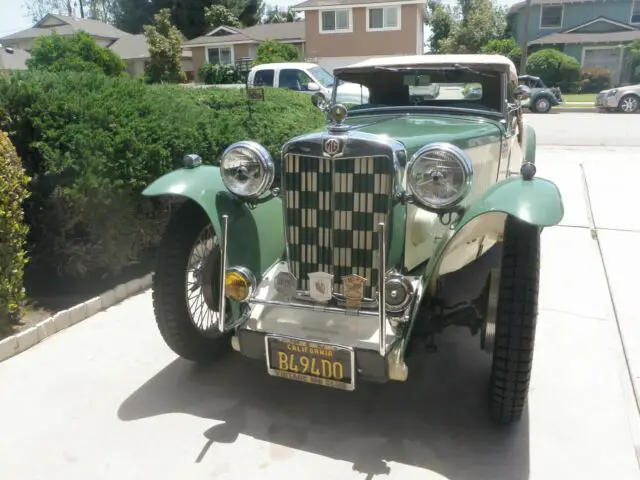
(537,201)
(255,236)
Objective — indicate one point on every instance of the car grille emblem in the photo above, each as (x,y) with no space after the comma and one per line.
(332,146)
(320,286)
(353,289)
(285,284)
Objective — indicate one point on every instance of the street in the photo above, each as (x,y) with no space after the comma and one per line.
(106,399)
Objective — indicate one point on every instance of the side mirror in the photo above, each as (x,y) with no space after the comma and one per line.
(320,101)
(522,93)
(313,87)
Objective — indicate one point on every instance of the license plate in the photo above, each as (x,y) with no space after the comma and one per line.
(317,363)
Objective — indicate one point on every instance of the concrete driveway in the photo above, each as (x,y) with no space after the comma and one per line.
(106,399)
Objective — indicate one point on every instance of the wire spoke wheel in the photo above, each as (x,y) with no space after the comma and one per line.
(202,273)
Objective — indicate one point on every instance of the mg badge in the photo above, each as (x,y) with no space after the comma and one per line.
(320,286)
(332,146)
(353,289)
(285,284)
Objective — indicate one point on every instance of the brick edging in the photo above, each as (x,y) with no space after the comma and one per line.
(26,339)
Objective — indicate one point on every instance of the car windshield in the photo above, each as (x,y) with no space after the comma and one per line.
(459,87)
(324,77)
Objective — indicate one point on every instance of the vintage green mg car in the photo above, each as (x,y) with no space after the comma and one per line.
(415,211)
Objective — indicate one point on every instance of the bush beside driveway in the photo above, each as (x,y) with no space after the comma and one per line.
(92,143)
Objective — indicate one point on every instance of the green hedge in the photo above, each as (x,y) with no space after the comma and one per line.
(554,67)
(13,232)
(92,143)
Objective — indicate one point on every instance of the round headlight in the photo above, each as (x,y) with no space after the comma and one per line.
(439,175)
(239,283)
(247,169)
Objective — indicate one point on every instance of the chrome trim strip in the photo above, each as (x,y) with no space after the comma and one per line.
(223,271)
(382,250)
(316,307)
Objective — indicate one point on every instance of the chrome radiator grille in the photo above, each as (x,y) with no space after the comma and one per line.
(332,209)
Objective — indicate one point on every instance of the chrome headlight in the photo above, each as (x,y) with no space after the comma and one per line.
(247,169)
(439,175)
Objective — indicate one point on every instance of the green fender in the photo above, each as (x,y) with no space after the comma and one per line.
(255,236)
(537,201)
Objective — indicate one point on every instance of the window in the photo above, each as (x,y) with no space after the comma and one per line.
(551,16)
(335,21)
(383,18)
(294,79)
(220,55)
(263,78)
(635,12)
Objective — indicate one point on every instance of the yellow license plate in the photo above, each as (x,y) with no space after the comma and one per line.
(317,363)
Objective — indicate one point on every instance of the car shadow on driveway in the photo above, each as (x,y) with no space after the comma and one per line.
(437,420)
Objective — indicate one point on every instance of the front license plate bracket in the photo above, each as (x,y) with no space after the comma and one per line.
(317,363)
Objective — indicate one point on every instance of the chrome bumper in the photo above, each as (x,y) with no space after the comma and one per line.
(267,311)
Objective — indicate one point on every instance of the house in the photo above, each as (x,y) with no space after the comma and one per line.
(134,51)
(12,59)
(333,33)
(594,32)
(340,32)
(230,46)
(104,33)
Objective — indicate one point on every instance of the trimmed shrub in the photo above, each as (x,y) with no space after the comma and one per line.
(553,67)
(271,51)
(13,233)
(595,79)
(92,143)
(79,52)
(212,74)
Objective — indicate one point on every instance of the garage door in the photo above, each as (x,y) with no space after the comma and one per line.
(604,58)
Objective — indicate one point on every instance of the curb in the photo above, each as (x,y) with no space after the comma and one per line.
(26,339)
(574,109)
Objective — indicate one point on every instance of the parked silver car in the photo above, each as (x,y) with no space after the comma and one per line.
(625,99)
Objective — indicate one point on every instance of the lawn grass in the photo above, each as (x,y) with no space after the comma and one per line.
(579,97)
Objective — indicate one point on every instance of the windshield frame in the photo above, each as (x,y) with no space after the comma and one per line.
(312,72)
(502,113)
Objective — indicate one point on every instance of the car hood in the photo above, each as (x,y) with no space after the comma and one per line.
(417,130)
(627,88)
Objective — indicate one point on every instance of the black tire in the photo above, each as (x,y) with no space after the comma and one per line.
(542,105)
(629,104)
(169,290)
(515,322)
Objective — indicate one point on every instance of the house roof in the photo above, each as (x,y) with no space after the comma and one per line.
(13,58)
(518,6)
(559,38)
(317,4)
(573,34)
(131,47)
(283,32)
(67,26)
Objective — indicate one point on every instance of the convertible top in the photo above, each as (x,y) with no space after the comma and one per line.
(480,61)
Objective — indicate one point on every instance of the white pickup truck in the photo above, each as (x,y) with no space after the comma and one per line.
(303,77)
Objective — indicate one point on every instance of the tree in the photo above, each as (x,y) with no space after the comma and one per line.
(165,50)
(506,47)
(219,15)
(633,59)
(274,52)
(79,52)
(187,15)
(440,19)
(468,26)
(274,14)
(98,9)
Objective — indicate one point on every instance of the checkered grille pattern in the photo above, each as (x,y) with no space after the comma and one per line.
(333,207)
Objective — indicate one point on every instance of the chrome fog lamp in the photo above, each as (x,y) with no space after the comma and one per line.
(239,283)
(398,293)
(247,169)
(439,175)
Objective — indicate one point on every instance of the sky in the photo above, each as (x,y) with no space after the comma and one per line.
(13,16)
